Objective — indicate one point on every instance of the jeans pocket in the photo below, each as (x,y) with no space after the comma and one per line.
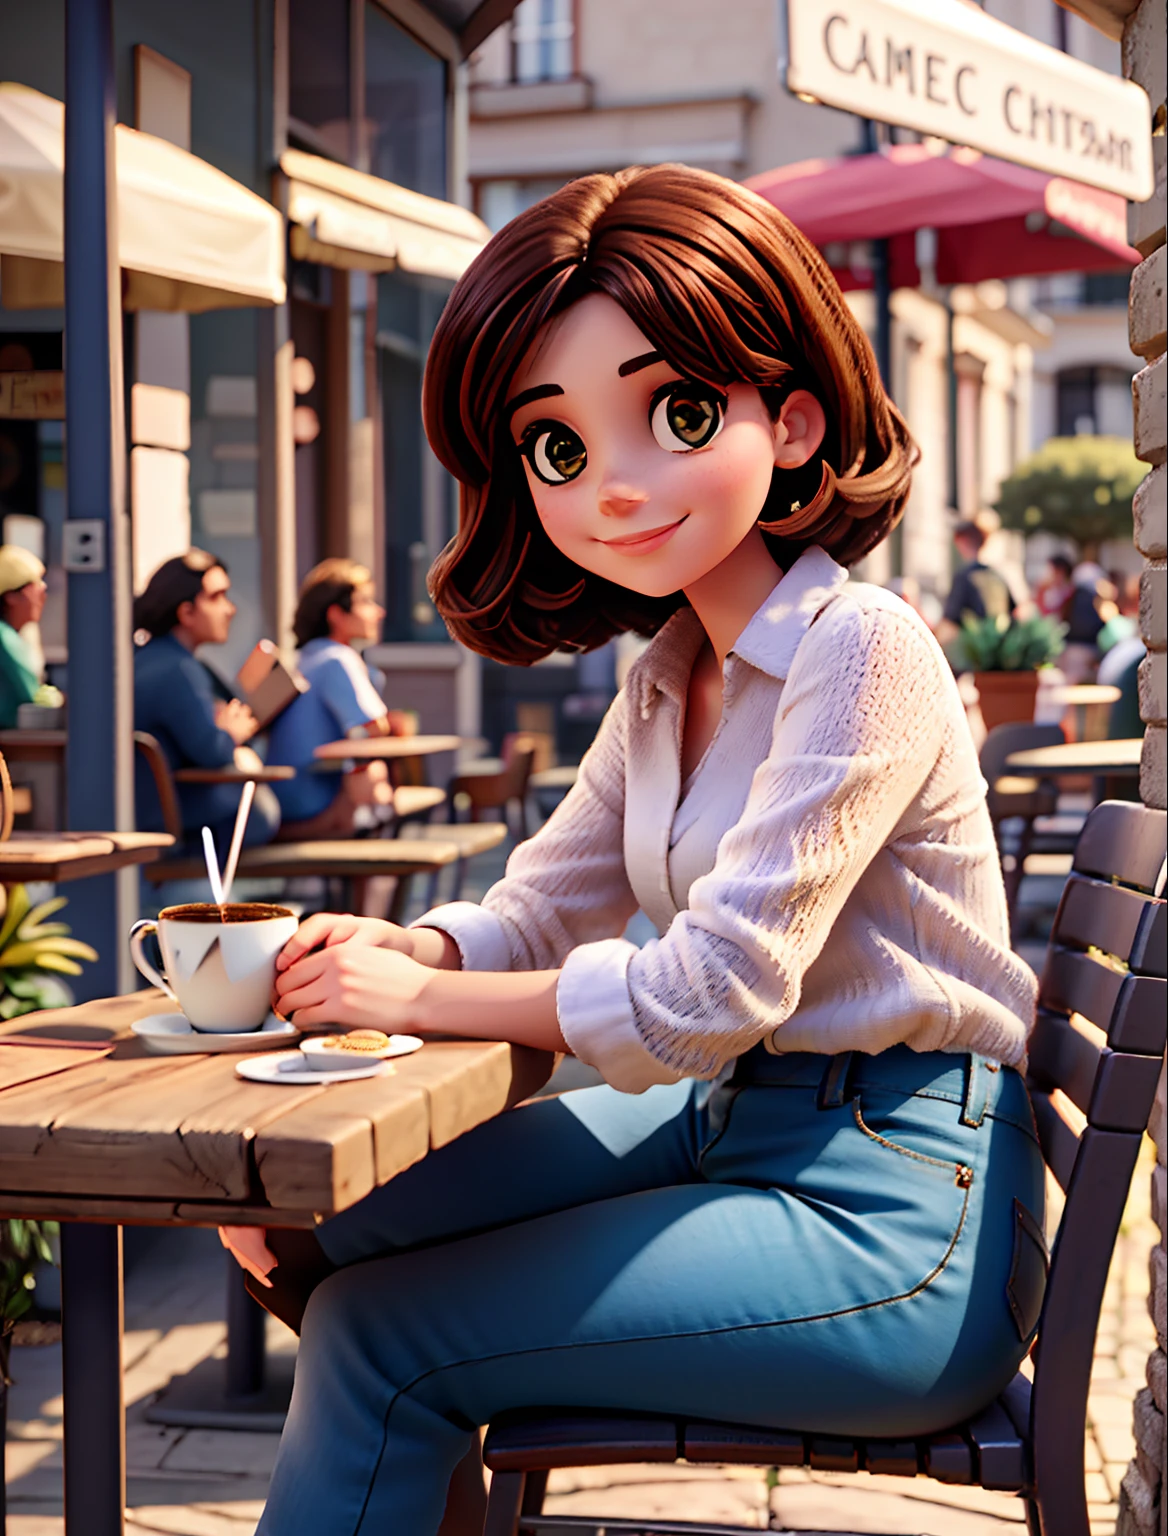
(962,1173)
(1029,1268)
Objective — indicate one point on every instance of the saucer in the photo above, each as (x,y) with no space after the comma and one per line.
(172,1034)
(285,1067)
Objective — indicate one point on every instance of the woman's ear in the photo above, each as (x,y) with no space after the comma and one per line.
(798,429)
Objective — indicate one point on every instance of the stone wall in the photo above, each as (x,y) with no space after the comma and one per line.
(1143,1505)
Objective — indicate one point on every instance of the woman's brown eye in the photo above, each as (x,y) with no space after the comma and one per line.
(686,416)
(555,453)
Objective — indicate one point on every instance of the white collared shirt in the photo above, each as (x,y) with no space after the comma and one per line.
(825,880)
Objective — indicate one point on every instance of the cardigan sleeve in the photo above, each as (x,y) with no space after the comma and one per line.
(564,887)
(858,729)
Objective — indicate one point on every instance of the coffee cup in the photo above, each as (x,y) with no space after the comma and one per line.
(218,962)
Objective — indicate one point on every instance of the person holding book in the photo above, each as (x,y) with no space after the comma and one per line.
(179,700)
(336,613)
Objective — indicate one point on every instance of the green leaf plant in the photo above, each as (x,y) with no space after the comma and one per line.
(34,954)
(1004,645)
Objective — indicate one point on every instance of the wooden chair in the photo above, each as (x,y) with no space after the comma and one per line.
(1024,809)
(498,787)
(1095,1057)
(347,860)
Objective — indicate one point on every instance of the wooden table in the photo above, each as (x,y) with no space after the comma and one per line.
(367,748)
(105,1134)
(38,760)
(1104,759)
(61,856)
(267,773)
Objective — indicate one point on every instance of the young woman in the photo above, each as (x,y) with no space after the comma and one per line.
(337,610)
(809,1192)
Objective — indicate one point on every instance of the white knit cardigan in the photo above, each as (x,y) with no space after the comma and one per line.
(825,880)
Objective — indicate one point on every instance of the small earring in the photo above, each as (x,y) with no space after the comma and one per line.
(796,506)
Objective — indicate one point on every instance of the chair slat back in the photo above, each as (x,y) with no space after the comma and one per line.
(1095,1057)
(151,751)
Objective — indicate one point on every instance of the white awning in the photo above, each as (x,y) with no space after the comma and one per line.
(344,218)
(190,238)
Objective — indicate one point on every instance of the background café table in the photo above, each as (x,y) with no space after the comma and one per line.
(96,1133)
(366,748)
(1104,759)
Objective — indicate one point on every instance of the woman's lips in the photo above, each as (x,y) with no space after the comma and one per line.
(642,543)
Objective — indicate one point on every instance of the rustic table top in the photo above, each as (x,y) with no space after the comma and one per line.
(73,855)
(1120,757)
(267,773)
(366,747)
(1083,693)
(16,744)
(97,1129)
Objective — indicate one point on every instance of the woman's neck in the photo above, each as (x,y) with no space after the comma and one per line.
(727,598)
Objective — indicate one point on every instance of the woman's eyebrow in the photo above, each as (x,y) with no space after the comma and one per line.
(635,364)
(526,396)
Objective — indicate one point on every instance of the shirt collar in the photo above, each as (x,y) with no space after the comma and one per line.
(768,642)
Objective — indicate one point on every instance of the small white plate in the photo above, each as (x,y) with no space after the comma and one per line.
(172,1034)
(321,1059)
(289,1067)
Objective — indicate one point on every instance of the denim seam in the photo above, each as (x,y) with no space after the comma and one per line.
(651,1338)
(921,1157)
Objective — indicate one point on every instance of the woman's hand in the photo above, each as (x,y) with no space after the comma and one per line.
(353,984)
(323,930)
(248,1247)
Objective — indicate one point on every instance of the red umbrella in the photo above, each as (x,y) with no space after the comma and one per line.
(993,219)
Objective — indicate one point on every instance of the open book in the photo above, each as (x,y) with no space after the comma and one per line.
(266,685)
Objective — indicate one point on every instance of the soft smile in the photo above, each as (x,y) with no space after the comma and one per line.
(642,543)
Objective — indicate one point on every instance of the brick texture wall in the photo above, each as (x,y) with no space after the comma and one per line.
(1143,1507)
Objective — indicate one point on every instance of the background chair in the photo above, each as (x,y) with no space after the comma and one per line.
(1024,810)
(1095,1057)
(494,786)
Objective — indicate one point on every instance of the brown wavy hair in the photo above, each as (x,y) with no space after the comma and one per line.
(727,290)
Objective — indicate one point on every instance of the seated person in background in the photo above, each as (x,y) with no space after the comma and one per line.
(22,601)
(336,612)
(181,702)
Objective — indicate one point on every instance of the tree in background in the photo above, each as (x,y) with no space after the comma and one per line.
(1077,488)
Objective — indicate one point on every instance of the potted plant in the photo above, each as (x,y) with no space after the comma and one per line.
(1004,656)
(35,954)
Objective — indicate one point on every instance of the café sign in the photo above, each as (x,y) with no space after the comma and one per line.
(945,68)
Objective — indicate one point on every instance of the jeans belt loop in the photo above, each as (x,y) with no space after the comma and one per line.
(977,1091)
(835,1084)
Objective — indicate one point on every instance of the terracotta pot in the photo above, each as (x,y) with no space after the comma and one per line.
(1006,697)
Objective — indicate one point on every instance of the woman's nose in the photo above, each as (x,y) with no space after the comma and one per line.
(618,498)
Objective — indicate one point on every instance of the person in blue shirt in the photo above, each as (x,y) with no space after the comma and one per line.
(192,713)
(337,611)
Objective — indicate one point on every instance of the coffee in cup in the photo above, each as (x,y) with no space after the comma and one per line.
(218,962)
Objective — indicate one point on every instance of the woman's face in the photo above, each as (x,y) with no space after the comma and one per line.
(26,604)
(639,474)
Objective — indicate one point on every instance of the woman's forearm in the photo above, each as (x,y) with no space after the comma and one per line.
(519,1006)
(432,947)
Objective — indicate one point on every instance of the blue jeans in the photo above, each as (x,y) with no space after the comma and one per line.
(824,1243)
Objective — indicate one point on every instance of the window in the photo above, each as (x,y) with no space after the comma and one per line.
(1094,399)
(500,201)
(404,131)
(318,75)
(542,38)
(420,502)
(370,96)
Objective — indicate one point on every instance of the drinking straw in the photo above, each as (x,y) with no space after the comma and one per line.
(212,867)
(241,815)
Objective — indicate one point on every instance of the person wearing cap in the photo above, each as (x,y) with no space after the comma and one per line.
(22,601)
